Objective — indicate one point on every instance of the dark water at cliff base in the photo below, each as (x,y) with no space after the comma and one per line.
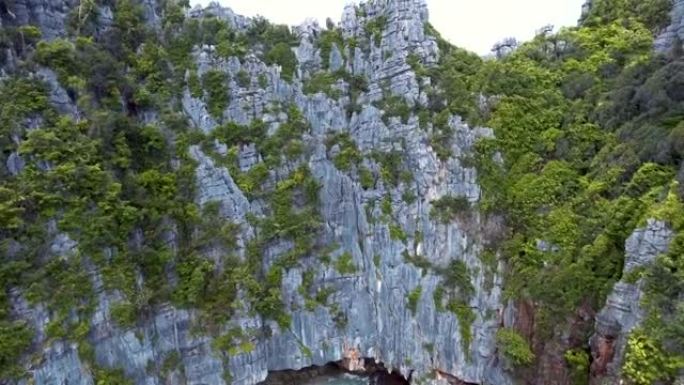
(332,374)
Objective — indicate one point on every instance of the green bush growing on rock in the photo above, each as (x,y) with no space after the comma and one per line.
(366,178)
(579,363)
(375,27)
(348,155)
(394,106)
(397,233)
(124,314)
(457,276)
(325,42)
(448,208)
(215,84)
(15,339)
(345,264)
(107,376)
(243,79)
(413,298)
(466,317)
(514,347)
(282,55)
(322,82)
(58,54)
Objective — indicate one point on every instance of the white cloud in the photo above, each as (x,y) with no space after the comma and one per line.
(472,24)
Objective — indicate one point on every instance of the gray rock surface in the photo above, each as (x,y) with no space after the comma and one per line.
(674,33)
(49,15)
(58,95)
(15,164)
(622,312)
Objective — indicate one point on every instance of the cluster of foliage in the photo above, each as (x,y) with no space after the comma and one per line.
(375,27)
(348,154)
(326,41)
(514,347)
(647,363)
(413,298)
(448,207)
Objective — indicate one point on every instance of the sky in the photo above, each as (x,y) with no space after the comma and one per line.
(472,24)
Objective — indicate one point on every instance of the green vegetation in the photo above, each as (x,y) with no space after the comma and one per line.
(233,343)
(124,314)
(413,298)
(121,188)
(416,65)
(447,208)
(348,155)
(646,362)
(243,79)
(375,27)
(457,277)
(325,42)
(110,376)
(578,361)
(16,338)
(587,122)
(215,83)
(282,55)
(172,361)
(394,106)
(345,264)
(514,347)
(322,82)
(366,178)
(392,170)
(397,233)
(587,155)
(466,317)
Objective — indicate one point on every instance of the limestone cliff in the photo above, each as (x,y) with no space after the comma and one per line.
(419,339)
(317,186)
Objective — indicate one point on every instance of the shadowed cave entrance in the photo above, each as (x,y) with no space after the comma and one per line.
(334,374)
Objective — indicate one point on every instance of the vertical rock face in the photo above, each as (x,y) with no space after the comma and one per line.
(420,339)
(674,33)
(622,312)
(49,15)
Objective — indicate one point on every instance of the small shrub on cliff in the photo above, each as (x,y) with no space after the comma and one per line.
(413,298)
(282,55)
(375,27)
(465,315)
(578,361)
(345,264)
(124,314)
(216,85)
(325,43)
(15,338)
(447,208)
(514,347)
(106,376)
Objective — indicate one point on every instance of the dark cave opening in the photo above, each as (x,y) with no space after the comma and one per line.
(373,374)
